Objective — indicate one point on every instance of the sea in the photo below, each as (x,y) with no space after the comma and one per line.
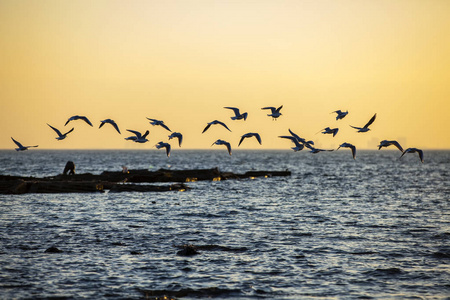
(374,227)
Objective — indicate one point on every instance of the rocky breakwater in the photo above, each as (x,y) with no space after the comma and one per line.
(132,181)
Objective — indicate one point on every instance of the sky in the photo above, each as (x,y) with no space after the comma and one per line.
(184,61)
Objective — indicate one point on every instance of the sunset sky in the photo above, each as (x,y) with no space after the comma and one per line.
(183,61)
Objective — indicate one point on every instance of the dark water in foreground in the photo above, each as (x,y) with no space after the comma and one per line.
(374,228)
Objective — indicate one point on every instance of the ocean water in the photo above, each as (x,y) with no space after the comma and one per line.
(377,227)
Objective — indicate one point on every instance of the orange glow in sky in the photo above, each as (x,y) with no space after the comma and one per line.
(183,61)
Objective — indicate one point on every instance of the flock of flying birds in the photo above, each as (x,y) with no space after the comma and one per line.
(299,142)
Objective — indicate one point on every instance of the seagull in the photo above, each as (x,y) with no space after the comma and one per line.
(301,140)
(110,122)
(21,147)
(60,136)
(328,130)
(414,150)
(165,145)
(73,118)
(155,122)
(315,150)
(249,135)
(131,138)
(340,114)
(222,142)
(214,123)
(138,138)
(298,146)
(238,115)
(348,145)
(386,143)
(366,127)
(177,135)
(275,112)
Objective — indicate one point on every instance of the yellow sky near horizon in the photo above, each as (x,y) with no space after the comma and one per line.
(183,61)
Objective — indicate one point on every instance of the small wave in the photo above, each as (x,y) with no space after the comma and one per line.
(384,272)
(441,254)
(188,292)
(213,247)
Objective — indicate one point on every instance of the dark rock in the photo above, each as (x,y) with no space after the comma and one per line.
(188,250)
(53,249)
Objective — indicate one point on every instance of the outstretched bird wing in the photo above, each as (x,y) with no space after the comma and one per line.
(165,127)
(258,137)
(56,130)
(206,128)
(370,121)
(17,143)
(137,133)
(278,109)
(86,120)
(273,109)
(223,124)
(235,109)
(69,131)
(396,144)
(114,124)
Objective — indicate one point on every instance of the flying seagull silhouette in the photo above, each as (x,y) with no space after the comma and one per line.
(155,122)
(366,127)
(340,114)
(385,143)
(237,114)
(414,150)
(249,135)
(60,135)
(348,145)
(328,130)
(73,118)
(109,121)
(300,139)
(222,142)
(21,147)
(164,145)
(139,138)
(315,150)
(177,135)
(298,146)
(215,122)
(275,112)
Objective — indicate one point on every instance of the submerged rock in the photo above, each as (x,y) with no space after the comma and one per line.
(188,250)
(53,249)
